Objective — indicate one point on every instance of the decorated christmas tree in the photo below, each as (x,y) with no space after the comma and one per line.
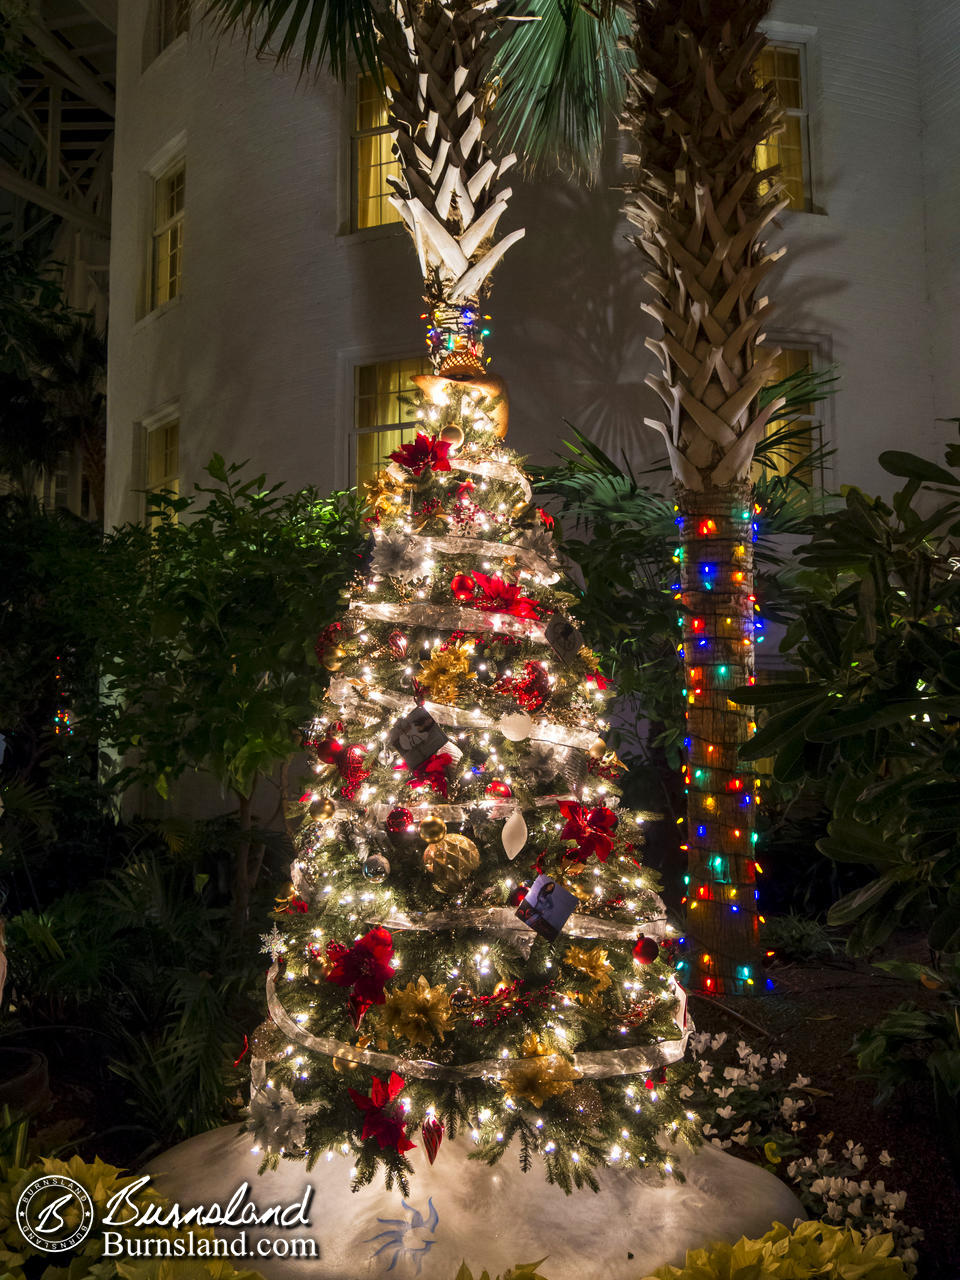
(470,943)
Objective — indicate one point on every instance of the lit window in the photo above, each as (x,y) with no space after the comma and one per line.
(373,159)
(380,413)
(173,19)
(167,267)
(163,461)
(793,360)
(56,488)
(783,66)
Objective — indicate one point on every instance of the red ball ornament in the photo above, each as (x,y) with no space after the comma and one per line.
(463,586)
(328,750)
(646,950)
(397,643)
(498,788)
(399,820)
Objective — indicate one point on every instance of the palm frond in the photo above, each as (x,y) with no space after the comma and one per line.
(336,34)
(563,83)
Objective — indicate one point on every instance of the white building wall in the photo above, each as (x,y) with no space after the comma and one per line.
(939,31)
(278,303)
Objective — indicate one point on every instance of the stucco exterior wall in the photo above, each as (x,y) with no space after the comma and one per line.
(279,303)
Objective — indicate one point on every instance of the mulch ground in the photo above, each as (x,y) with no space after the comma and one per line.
(813,1017)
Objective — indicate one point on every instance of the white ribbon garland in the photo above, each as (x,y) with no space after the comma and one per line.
(342,692)
(504,921)
(451,618)
(496,471)
(590,1066)
(498,550)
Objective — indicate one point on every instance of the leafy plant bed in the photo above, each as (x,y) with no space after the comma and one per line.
(812,1017)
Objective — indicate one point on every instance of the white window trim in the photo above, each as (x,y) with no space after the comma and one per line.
(162,160)
(348,359)
(820,346)
(346,199)
(806,40)
(162,416)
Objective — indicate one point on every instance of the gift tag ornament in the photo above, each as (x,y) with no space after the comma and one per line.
(432,1133)
(516,726)
(514,834)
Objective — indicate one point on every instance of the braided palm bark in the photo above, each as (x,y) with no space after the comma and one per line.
(450,194)
(697,114)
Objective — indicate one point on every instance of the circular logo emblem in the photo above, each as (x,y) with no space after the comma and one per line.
(55,1213)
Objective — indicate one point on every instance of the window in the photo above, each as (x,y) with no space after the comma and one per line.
(172,20)
(56,488)
(784,66)
(163,460)
(166,273)
(790,361)
(373,161)
(380,413)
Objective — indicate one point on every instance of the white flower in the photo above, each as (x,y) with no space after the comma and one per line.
(705,1072)
(719,1041)
(685,1091)
(277,1118)
(855,1208)
(394,557)
(723,1093)
(725,1113)
(885,1157)
(789,1108)
(778,1061)
(801,1082)
(834,1211)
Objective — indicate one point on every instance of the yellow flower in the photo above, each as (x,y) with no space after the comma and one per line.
(544,1076)
(444,671)
(593,963)
(417,1012)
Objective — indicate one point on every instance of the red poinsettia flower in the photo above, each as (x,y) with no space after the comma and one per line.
(503,597)
(432,773)
(600,681)
(422,453)
(591,830)
(383,1117)
(365,966)
(297,905)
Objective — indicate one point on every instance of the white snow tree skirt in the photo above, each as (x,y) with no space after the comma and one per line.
(492,1218)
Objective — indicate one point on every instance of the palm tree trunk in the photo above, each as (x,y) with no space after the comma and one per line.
(716,580)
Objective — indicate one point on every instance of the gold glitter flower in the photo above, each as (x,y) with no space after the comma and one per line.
(593,963)
(544,1076)
(417,1012)
(385,494)
(444,672)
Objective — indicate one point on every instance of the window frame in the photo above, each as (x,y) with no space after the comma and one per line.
(818,347)
(174,12)
(805,40)
(355,136)
(161,228)
(356,431)
(162,419)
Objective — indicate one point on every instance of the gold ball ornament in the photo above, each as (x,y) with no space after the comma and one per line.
(450,861)
(322,807)
(432,828)
(317,971)
(453,436)
(462,998)
(597,750)
(333,660)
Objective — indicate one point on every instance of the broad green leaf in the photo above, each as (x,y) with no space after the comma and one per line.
(909,465)
(855,904)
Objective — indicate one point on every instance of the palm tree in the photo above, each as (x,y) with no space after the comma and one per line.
(437,56)
(696,113)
